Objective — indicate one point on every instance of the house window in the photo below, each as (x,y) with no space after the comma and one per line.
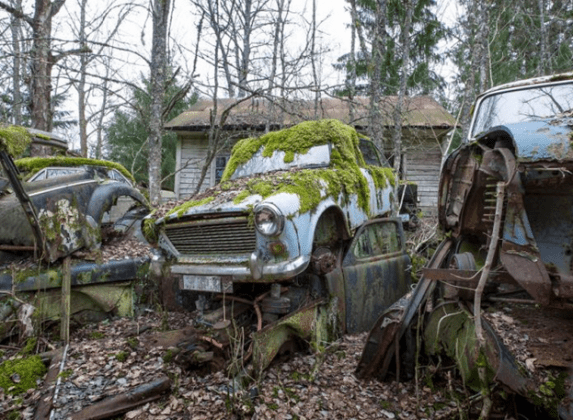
(220,163)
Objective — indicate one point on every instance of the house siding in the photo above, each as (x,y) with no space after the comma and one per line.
(192,157)
(423,168)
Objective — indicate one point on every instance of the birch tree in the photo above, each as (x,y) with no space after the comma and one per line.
(95,30)
(409,6)
(160,11)
(16,30)
(376,125)
(42,58)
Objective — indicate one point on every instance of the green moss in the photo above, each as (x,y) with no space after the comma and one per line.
(133,342)
(65,374)
(32,165)
(180,210)
(550,394)
(97,335)
(150,230)
(14,139)
(27,370)
(14,415)
(121,356)
(342,180)
(299,139)
(382,176)
(168,356)
(242,195)
(30,346)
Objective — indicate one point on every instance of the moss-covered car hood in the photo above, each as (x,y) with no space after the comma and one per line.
(342,179)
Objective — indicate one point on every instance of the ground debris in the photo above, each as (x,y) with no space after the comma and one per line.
(104,361)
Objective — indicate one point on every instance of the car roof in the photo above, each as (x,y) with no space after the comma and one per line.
(563,77)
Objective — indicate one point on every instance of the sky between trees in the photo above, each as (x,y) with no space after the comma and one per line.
(99,55)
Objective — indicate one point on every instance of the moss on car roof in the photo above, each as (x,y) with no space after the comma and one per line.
(299,139)
(31,165)
(14,139)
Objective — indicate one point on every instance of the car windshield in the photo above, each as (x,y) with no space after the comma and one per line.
(523,105)
(315,157)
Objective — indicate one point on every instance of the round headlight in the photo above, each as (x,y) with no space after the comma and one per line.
(268,220)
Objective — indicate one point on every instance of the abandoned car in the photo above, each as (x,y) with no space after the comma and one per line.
(297,235)
(58,214)
(506,197)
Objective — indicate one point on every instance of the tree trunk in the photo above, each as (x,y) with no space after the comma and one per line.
(376,126)
(82,83)
(313,56)
(397,137)
(543,61)
(351,79)
(16,27)
(160,12)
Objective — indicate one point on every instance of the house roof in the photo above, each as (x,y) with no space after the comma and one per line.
(258,113)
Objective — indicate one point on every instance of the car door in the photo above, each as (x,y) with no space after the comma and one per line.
(376,271)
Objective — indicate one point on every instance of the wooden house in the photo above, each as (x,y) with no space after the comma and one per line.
(425,129)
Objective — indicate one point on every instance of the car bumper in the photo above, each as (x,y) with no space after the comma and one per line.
(256,270)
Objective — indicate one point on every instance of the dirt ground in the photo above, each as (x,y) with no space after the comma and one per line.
(109,359)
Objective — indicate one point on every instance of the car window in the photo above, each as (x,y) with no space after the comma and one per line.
(117,176)
(54,173)
(377,239)
(371,153)
(523,105)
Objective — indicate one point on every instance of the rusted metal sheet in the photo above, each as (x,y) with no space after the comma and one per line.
(125,402)
(84,273)
(316,323)
(385,336)
(451,330)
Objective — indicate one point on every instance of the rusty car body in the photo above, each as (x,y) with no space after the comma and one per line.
(55,216)
(297,236)
(505,204)
(52,207)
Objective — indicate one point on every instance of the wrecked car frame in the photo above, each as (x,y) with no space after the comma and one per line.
(299,231)
(505,202)
(55,217)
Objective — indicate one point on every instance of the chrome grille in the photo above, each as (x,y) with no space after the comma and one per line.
(231,235)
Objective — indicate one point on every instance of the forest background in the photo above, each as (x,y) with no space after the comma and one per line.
(107,75)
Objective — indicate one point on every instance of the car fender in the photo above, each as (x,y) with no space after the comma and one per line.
(106,195)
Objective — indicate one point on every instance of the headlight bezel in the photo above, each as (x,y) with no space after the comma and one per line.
(274,224)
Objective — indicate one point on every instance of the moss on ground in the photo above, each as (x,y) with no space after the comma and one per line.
(19,375)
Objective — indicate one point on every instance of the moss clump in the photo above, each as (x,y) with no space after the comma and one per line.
(344,176)
(65,374)
(14,139)
(133,342)
(149,229)
(180,210)
(32,165)
(121,356)
(27,371)
(299,139)
(97,335)
(30,346)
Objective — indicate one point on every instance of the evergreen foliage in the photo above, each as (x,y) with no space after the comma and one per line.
(126,136)
(426,32)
